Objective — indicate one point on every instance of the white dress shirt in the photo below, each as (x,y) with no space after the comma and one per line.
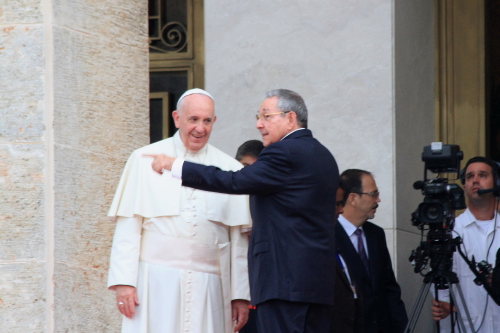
(350,229)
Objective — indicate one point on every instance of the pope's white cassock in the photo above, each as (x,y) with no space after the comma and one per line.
(183,249)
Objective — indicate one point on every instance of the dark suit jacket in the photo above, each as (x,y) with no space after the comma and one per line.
(347,311)
(384,309)
(292,188)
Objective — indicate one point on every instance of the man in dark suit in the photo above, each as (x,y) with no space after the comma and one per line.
(363,247)
(347,310)
(292,188)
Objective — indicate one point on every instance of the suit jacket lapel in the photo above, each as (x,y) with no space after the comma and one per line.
(373,257)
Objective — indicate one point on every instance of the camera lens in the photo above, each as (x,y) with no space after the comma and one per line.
(432,212)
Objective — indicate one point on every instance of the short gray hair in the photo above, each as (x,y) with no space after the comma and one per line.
(290,101)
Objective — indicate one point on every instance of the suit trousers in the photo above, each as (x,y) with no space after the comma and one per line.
(279,316)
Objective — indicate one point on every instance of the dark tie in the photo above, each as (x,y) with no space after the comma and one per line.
(361,250)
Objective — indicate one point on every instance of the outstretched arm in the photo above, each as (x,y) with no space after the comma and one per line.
(268,174)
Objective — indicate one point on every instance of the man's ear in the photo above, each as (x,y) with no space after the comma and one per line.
(351,199)
(175,116)
(292,119)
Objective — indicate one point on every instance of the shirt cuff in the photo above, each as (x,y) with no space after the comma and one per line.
(177,168)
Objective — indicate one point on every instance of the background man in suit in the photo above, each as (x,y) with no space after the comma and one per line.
(347,311)
(347,314)
(363,247)
(292,188)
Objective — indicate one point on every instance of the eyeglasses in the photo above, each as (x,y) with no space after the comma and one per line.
(374,194)
(266,116)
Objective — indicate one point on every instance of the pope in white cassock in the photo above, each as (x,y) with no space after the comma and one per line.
(178,260)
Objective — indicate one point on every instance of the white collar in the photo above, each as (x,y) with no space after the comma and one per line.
(348,226)
(471,218)
(298,129)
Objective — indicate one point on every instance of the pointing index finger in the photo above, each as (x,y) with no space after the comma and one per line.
(149,155)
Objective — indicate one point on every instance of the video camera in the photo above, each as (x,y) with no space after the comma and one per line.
(437,215)
(441,198)
(437,211)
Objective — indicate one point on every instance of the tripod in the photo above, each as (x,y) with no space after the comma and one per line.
(450,279)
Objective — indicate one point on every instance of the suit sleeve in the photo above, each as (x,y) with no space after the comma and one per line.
(397,311)
(269,174)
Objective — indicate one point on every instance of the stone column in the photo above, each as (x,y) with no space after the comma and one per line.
(73,105)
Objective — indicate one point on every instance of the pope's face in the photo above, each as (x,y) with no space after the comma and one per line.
(195,119)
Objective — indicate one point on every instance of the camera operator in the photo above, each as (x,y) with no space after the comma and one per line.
(478,227)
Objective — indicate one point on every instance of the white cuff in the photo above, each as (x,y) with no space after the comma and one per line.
(177,168)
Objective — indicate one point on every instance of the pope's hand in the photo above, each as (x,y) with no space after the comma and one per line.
(160,162)
(126,300)
(239,309)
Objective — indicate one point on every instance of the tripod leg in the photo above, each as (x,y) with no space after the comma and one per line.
(417,308)
(463,306)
